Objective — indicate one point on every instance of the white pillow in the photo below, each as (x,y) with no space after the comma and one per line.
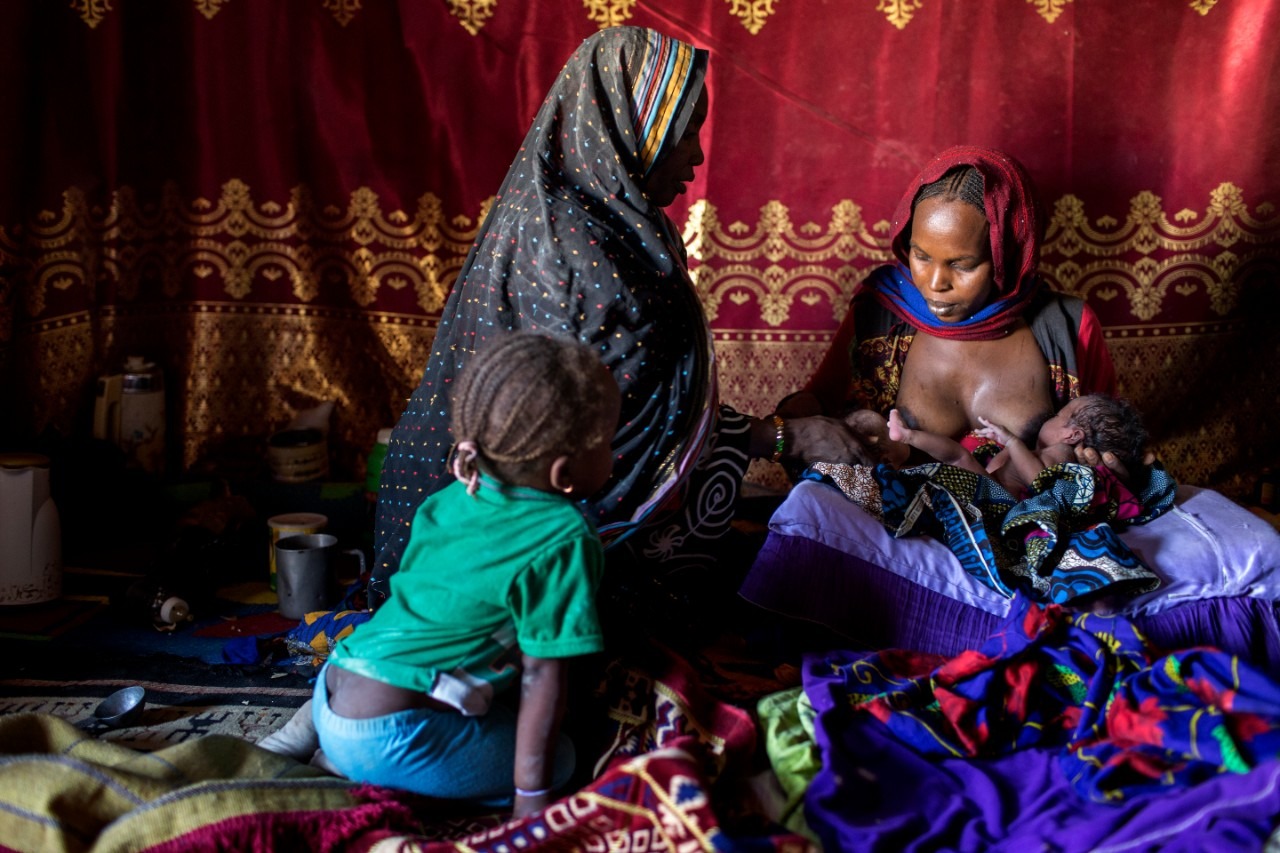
(1205,547)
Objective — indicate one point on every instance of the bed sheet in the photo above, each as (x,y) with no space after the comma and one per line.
(827,561)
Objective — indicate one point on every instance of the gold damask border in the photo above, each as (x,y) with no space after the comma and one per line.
(237,240)
(472,15)
(1150,259)
(1143,258)
(93,12)
(241,369)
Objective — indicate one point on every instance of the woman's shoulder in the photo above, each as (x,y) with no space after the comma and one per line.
(1050,298)
(1055,310)
(871,316)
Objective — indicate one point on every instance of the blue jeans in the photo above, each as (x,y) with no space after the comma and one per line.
(435,753)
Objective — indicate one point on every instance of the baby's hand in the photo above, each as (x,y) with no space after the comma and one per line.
(994,431)
(898,430)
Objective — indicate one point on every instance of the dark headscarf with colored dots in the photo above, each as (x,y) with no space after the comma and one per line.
(573,247)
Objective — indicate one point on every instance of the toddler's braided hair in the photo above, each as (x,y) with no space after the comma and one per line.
(524,398)
(962,182)
(1112,425)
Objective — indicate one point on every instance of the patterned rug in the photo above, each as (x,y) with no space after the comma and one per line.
(673,779)
(185,697)
(173,712)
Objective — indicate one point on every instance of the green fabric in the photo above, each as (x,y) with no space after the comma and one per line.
(481,574)
(62,790)
(786,719)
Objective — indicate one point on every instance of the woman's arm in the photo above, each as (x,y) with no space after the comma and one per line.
(828,388)
(1093,359)
(807,440)
(543,691)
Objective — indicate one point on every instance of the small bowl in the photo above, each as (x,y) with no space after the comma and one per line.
(122,707)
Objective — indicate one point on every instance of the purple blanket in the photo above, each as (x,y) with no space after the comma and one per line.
(876,793)
(1063,729)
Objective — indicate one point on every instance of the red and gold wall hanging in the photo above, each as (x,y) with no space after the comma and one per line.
(271,199)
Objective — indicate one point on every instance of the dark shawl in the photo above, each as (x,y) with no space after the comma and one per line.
(573,247)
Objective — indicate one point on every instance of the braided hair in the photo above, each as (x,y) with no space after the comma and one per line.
(524,399)
(962,183)
(1112,425)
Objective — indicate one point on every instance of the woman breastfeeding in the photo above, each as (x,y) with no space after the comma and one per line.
(962,326)
(577,245)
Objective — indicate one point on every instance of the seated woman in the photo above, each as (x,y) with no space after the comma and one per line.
(962,328)
(577,245)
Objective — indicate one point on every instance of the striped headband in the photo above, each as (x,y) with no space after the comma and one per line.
(669,71)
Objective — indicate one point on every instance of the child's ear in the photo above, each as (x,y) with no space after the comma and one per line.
(560,475)
(1075,435)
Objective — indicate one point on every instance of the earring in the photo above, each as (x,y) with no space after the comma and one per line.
(567,489)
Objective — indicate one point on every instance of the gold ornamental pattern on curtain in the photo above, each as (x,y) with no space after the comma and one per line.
(248,274)
(473,14)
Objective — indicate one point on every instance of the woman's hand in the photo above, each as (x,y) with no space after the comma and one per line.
(1091,457)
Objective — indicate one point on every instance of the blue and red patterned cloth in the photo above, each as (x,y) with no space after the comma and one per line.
(1128,719)
(1060,544)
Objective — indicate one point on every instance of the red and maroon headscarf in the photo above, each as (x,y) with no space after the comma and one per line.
(1016,230)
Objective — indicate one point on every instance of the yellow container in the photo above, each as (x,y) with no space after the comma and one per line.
(290,524)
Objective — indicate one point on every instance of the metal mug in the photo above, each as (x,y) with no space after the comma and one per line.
(305,577)
(290,524)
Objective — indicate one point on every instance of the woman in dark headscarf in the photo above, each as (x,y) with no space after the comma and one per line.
(577,245)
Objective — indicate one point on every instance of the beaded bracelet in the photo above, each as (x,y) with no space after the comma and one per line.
(779,443)
(521,792)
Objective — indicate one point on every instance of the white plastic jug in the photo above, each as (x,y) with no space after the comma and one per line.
(30,531)
(129,411)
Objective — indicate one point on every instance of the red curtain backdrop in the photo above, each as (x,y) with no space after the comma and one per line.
(272,198)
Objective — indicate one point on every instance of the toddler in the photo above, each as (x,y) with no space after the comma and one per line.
(1104,423)
(497,588)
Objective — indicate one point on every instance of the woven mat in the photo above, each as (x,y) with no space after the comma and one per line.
(185,698)
(161,724)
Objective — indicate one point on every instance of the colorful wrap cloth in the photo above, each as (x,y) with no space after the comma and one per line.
(1128,719)
(316,635)
(1060,544)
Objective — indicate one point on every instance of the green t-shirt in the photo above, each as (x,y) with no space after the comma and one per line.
(483,579)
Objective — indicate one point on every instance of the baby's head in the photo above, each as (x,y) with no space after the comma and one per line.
(537,411)
(1107,424)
